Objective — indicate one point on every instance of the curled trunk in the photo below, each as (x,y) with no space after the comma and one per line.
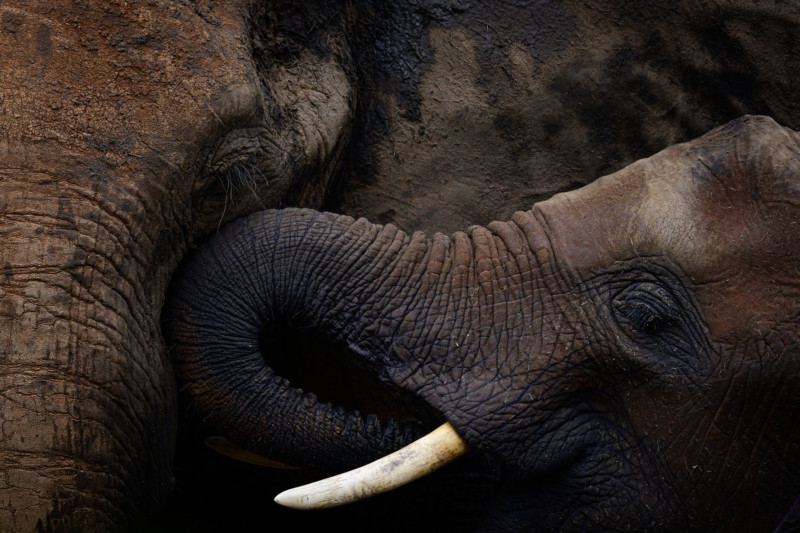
(351,282)
(408,310)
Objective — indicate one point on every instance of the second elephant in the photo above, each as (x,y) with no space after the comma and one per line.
(627,351)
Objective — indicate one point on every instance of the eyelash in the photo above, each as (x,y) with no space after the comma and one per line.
(644,319)
(240,175)
(647,307)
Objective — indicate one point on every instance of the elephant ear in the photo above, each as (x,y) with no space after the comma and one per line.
(790,522)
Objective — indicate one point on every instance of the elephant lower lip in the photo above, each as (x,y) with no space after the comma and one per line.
(551,468)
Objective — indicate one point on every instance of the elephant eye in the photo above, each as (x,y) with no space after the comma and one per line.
(647,307)
(644,319)
(653,322)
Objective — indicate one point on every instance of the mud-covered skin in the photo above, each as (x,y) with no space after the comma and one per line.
(624,355)
(128,130)
(488,107)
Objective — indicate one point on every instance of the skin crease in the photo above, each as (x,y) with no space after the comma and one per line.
(121,143)
(633,373)
(726,218)
(131,130)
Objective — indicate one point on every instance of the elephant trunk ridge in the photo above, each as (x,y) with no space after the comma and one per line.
(275,274)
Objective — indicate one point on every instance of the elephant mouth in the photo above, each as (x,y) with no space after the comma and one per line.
(279,362)
(327,371)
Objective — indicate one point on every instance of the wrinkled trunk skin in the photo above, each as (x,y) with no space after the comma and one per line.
(88,415)
(308,271)
(407,308)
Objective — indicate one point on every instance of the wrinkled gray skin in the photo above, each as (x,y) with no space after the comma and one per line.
(627,353)
(132,131)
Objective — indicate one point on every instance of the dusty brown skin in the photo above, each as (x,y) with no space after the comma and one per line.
(128,130)
(489,107)
(119,123)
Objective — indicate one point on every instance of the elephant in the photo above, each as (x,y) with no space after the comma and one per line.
(133,130)
(626,353)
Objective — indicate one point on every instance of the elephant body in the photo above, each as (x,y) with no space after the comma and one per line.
(131,131)
(490,107)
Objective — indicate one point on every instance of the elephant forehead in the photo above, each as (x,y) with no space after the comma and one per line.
(731,194)
(690,214)
(724,204)
(724,208)
(97,75)
(628,214)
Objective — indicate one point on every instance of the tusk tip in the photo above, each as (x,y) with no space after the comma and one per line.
(296,498)
(419,458)
(285,499)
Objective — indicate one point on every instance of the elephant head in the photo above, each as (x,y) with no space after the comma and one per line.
(627,353)
(128,131)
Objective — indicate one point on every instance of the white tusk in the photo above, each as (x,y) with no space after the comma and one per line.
(418,459)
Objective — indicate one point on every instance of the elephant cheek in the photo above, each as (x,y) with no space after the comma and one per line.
(87,414)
